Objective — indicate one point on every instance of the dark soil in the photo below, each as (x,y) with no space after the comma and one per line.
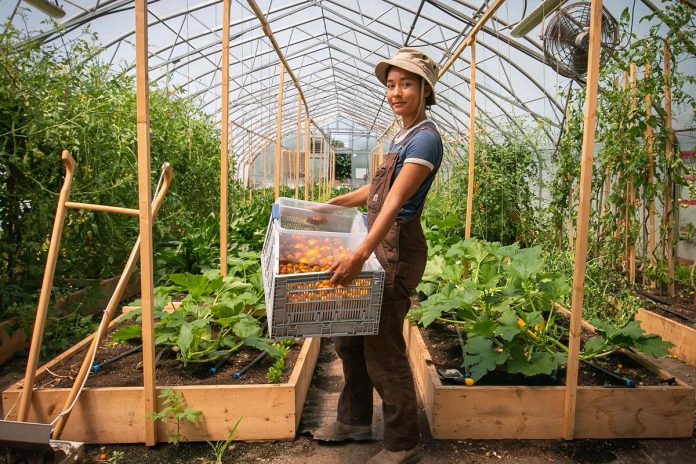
(127,372)
(678,308)
(443,345)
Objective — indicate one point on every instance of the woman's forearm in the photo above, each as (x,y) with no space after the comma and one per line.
(355,198)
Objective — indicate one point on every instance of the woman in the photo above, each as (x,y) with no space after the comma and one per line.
(395,199)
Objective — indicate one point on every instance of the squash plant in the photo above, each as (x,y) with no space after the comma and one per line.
(213,319)
(504,307)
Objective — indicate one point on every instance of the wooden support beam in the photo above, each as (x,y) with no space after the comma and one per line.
(306,160)
(102,208)
(142,85)
(667,215)
(649,198)
(472,141)
(631,189)
(584,210)
(298,140)
(279,127)
(46,286)
(224,134)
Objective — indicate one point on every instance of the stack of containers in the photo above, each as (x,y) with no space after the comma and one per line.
(302,241)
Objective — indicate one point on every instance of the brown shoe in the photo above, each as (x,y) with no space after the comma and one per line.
(410,456)
(339,431)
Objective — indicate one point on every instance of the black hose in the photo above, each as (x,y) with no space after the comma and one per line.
(239,373)
(627,382)
(97,367)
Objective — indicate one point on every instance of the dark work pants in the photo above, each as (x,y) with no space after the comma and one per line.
(381,361)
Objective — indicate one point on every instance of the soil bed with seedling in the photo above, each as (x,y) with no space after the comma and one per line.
(117,414)
(127,371)
(441,342)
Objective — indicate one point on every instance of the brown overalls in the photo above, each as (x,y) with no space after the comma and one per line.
(381,360)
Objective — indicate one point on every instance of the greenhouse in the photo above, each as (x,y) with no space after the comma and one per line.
(331,231)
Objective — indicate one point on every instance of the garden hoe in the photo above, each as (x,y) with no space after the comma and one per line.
(32,442)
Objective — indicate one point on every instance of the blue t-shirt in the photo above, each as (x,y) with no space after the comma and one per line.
(424,148)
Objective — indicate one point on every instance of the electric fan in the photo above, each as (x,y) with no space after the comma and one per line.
(566,38)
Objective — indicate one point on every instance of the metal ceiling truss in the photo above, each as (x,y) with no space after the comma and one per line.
(340,82)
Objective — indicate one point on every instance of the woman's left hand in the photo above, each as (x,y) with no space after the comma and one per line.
(346,270)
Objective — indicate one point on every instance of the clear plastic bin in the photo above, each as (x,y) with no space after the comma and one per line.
(304,304)
(311,216)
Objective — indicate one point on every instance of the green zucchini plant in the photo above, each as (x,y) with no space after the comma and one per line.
(501,298)
(213,319)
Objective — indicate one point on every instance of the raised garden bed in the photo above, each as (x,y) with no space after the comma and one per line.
(683,336)
(116,414)
(12,339)
(536,412)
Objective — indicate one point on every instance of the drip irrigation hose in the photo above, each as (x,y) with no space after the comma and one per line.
(239,373)
(626,381)
(214,370)
(96,367)
(662,306)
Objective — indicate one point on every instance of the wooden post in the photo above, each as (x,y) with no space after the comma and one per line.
(144,199)
(650,202)
(631,190)
(224,136)
(306,159)
(320,166)
(279,128)
(472,140)
(46,286)
(381,152)
(298,140)
(667,215)
(250,169)
(588,140)
(111,308)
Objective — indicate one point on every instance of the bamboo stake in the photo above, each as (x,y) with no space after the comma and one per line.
(250,169)
(306,159)
(381,152)
(144,199)
(46,286)
(102,208)
(632,190)
(312,153)
(279,121)
(298,147)
(472,140)
(588,139)
(224,136)
(667,215)
(111,308)
(265,168)
(651,175)
(320,166)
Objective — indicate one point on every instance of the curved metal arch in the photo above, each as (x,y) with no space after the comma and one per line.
(358,58)
(396,45)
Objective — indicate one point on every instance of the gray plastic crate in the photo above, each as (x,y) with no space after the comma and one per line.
(302,305)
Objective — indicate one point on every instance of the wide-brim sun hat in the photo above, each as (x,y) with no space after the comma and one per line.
(412,60)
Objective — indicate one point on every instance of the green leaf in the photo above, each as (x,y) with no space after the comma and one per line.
(525,263)
(263,344)
(542,362)
(247,327)
(127,332)
(653,345)
(185,337)
(482,357)
(594,345)
(483,328)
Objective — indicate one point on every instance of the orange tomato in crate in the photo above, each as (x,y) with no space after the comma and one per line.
(300,255)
